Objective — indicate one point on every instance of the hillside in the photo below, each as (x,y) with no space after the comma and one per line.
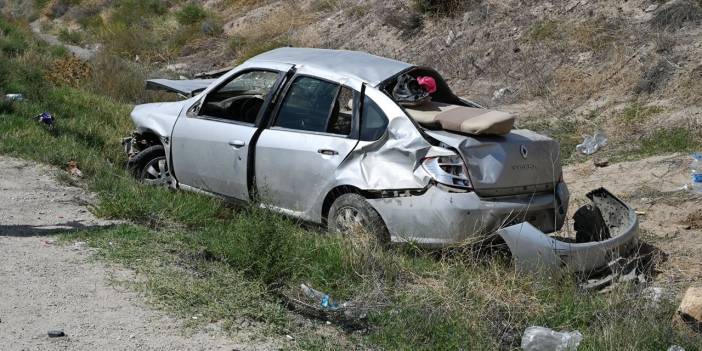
(566,68)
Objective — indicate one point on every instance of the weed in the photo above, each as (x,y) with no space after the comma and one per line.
(358,11)
(71,36)
(545,31)
(677,139)
(409,24)
(324,5)
(637,114)
(442,7)
(191,14)
(675,15)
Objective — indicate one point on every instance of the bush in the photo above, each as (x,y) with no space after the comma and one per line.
(191,14)
(71,36)
(443,7)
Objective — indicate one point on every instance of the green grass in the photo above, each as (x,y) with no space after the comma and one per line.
(191,14)
(676,139)
(545,30)
(201,257)
(637,113)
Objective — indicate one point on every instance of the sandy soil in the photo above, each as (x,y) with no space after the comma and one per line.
(44,285)
(670,218)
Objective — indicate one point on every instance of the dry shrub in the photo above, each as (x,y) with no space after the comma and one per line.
(277,30)
(691,91)
(69,71)
(676,14)
(654,77)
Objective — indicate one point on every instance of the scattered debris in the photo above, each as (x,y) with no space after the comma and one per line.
(601,162)
(676,348)
(316,304)
(640,213)
(56,333)
(73,170)
(501,93)
(545,339)
(653,294)
(592,144)
(690,310)
(651,8)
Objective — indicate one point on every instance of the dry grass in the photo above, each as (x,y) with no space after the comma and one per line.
(276,30)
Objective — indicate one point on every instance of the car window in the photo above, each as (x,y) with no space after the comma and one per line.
(308,105)
(373,121)
(342,113)
(240,99)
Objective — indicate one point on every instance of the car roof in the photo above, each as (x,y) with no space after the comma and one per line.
(353,64)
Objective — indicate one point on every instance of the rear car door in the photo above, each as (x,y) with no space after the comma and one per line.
(210,145)
(312,133)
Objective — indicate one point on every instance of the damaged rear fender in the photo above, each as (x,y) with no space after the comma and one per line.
(532,250)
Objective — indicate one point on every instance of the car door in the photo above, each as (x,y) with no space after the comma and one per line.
(210,144)
(311,134)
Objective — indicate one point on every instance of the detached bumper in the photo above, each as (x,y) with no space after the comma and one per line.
(532,250)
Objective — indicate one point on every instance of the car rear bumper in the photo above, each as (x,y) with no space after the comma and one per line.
(438,218)
(532,250)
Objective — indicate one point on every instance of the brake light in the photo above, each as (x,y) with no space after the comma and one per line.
(448,170)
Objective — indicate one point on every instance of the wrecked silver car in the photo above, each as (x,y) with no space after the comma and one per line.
(320,135)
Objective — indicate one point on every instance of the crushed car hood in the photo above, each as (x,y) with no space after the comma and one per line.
(186,87)
(158,118)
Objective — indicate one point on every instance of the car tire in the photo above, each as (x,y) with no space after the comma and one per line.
(351,212)
(150,166)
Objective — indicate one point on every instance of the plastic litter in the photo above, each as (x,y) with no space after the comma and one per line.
(696,172)
(14,97)
(500,93)
(592,144)
(325,301)
(676,348)
(545,339)
(46,118)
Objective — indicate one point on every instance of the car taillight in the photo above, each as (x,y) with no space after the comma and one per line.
(448,170)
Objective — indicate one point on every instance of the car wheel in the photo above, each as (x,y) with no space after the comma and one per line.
(151,167)
(351,213)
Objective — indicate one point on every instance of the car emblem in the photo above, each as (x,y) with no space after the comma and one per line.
(523,150)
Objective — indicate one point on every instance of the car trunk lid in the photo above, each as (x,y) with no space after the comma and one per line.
(520,162)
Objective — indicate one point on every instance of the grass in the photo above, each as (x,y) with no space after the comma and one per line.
(545,30)
(200,257)
(191,14)
(637,114)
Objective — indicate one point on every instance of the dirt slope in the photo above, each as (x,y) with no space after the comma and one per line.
(44,285)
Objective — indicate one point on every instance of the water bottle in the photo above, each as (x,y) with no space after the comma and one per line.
(696,170)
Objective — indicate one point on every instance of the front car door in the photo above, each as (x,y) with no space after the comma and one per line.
(210,145)
(312,133)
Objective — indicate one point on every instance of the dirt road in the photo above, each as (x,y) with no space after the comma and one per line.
(45,286)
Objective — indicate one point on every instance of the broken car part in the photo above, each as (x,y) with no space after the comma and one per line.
(533,250)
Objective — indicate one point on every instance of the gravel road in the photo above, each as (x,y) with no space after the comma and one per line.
(46,286)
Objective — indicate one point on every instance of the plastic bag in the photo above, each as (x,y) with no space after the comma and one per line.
(545,339)
(592,143)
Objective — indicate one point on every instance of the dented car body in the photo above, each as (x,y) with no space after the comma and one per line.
(316,134)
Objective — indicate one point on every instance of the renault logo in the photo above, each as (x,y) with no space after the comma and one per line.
(523,150)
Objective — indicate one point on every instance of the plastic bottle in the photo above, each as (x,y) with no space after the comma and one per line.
(545,339)
(696,172)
